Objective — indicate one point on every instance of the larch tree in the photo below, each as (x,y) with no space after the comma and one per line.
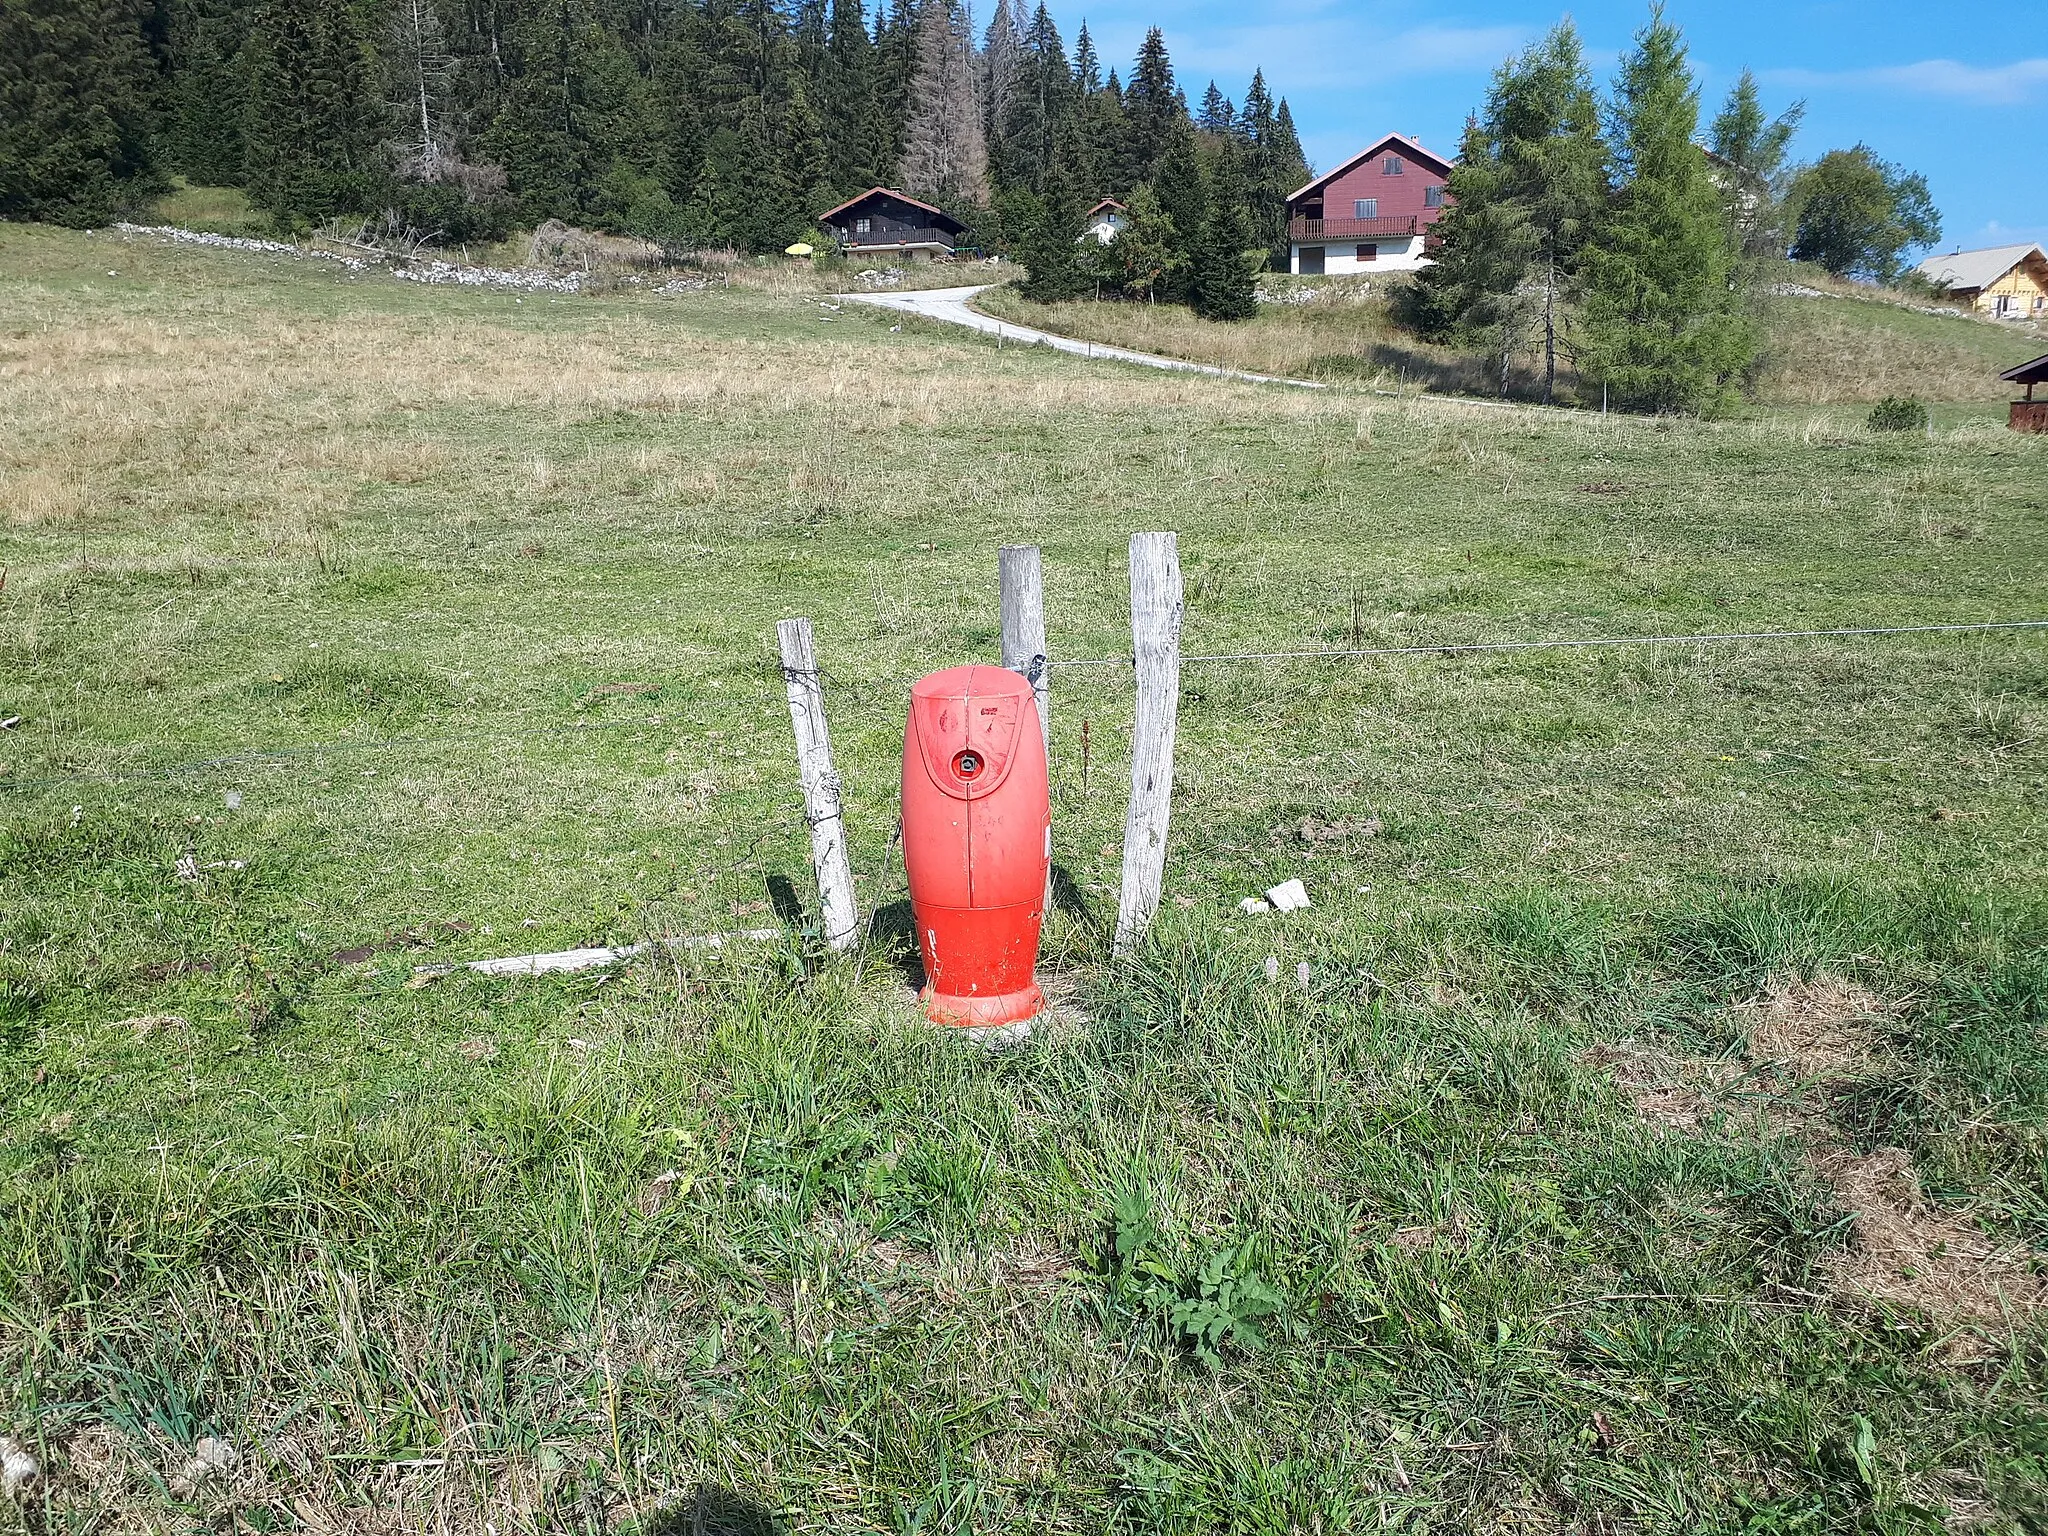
(1751,152)
(1666,329)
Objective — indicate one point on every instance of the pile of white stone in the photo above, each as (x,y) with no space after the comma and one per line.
(530,279)
(880,277)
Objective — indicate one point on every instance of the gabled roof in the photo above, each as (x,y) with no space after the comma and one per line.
(1400,141)
(1969,270)
(1107,202)
(901,197)
(2035,372)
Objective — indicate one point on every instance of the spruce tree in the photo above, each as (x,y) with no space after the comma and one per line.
(1184,199)
(1153,109)
(317,121)
(1222,285)
(1217,114)
(76,126)
(1665,329)
(202,134)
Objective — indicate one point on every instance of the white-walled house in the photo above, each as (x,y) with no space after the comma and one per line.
(1104,222)
(1370,214)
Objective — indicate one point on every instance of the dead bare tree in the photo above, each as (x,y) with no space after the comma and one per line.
(945,157)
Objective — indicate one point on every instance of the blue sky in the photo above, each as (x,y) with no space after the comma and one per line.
(1958,95)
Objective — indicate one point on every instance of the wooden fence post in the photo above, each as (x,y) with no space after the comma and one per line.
(1155,648)
(1023,584)
(1023,581)
(821,784)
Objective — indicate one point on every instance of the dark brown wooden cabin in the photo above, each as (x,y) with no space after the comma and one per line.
(2029,415)
(884,222)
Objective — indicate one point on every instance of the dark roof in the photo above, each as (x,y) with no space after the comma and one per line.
(941,218)
(2035,372)
(1406,145)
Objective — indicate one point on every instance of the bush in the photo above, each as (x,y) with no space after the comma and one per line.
(1892,414)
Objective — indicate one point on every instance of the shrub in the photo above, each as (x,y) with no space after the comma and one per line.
(1891,414)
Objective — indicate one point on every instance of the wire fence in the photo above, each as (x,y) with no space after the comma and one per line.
(862,688)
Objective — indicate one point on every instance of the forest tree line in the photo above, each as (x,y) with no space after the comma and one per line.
(707,122)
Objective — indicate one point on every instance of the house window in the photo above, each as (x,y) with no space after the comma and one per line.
(1393,167)
(1311,262)
(1366,208)
(862,226)
(1432,197)
(1368,253)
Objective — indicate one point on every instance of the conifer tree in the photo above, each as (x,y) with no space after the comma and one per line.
(1184,199)
(317,120)
(1153,109)
(1145,254)
(1472,289)
(1003,95)
(1217,114)
(861,146)
(1665,328)
(945,157)
(76,129)
(1223,288)
(204,107)
(1750,150)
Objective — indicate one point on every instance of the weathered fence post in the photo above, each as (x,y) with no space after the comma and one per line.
(1023,583)
(821,783)
(1023,586)
(1155,648)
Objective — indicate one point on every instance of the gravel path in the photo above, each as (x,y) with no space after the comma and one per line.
(951,305)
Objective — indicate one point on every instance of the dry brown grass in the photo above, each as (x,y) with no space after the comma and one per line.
(1819,1026)
(1820,1032)
(1911,1253)
(1835,351)
(1345,334)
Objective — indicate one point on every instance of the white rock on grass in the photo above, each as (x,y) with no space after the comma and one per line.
(1289,896)
(210,1458)
(19,1468)
(1254,905)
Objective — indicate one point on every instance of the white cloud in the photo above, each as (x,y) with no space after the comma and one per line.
(1324,51)
(1996,85)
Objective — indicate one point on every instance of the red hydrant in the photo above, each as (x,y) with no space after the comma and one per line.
(977,841)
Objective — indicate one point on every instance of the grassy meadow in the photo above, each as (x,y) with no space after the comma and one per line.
(1834,349)
(1647,1128)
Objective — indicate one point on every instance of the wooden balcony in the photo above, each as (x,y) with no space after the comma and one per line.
(1398,227)
(884,239)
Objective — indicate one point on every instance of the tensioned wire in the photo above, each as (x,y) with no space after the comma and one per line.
(856,685)
(1558,645)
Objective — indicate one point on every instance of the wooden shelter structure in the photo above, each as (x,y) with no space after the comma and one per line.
(885,222)
(2029,415)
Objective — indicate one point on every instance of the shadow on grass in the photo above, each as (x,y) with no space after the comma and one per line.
(714,1512)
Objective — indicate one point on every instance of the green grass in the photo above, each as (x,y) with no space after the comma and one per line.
(214,210)
(738,1243)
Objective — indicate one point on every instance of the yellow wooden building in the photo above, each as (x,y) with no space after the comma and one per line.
(2007,282)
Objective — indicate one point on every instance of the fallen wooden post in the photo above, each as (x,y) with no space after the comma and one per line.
(822,811)
(565,960)
(1156,608)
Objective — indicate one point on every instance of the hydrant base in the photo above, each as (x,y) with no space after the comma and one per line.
(982,1011)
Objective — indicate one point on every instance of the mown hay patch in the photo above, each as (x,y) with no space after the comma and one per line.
(1912,1253)
(1820,1026)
